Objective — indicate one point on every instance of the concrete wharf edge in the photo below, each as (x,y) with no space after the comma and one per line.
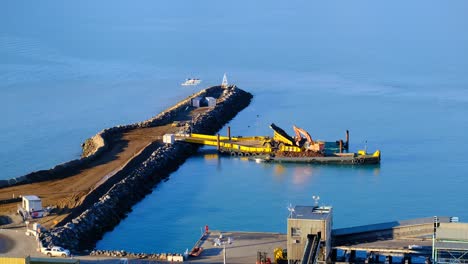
(107,204)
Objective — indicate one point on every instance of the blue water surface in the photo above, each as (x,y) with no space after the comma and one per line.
(394,73)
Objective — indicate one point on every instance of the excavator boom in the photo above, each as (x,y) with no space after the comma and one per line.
(300,131)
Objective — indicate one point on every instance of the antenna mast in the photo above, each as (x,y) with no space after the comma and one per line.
(291,210)
(316,200)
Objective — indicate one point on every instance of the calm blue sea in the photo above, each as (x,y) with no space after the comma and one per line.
(395,73)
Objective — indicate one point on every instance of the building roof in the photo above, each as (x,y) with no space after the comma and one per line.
(31,197)
(311,212)
(454,245)
(387,225)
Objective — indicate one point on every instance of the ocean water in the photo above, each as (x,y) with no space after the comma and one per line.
(394,73)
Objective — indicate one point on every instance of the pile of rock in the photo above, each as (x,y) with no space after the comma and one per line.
(123,253)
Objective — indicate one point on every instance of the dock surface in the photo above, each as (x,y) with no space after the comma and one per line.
(242,249)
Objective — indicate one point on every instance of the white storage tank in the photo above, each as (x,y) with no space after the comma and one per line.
(169,138)
(211,101)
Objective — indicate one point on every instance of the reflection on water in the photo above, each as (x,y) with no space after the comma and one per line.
(376,170)
(278,169)
(301,172)
(210,157)
(302,175)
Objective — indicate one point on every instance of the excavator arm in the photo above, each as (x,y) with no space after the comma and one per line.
(311,144)
(300,131)
(298,137)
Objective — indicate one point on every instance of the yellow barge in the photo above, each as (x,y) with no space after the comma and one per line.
(284,148)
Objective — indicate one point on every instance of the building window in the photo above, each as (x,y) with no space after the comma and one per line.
(295,231)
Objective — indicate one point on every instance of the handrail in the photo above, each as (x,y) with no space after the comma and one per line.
(311,249)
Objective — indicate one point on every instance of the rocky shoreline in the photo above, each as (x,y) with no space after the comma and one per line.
(125,254)
(109,204)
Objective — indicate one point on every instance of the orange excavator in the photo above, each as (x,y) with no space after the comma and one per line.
(310,144)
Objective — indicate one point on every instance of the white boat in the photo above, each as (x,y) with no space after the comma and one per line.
(191,81)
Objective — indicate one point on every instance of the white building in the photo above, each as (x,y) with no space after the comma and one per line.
(31,206)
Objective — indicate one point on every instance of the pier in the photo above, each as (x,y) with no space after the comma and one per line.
(237,247)
(311,239)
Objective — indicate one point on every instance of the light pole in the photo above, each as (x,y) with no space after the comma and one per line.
(436,224)
(229,241)
(224,253)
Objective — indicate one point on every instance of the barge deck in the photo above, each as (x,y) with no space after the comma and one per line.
(337,159)
(281,148)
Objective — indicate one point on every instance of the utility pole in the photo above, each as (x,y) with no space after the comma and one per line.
(228,241)
(224,253)
(436,224)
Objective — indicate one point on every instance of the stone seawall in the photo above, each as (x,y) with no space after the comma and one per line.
(83,231)
(98,144)
(125,254)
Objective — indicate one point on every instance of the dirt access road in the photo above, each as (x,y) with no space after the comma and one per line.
(69,192)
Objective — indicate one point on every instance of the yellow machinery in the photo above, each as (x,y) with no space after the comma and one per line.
(29,260)
(282,147)
(281,136)
(233,144)
(281,142)
(310,143)
(279,255)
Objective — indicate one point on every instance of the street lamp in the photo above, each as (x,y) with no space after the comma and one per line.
(229,241)
(224,253)
(436,224)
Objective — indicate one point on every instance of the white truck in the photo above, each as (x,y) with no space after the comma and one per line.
(56,252)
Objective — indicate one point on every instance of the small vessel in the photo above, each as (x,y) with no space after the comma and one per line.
(191,81)
(259,160)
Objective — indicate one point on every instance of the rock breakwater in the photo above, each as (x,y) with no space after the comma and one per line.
(83,231)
